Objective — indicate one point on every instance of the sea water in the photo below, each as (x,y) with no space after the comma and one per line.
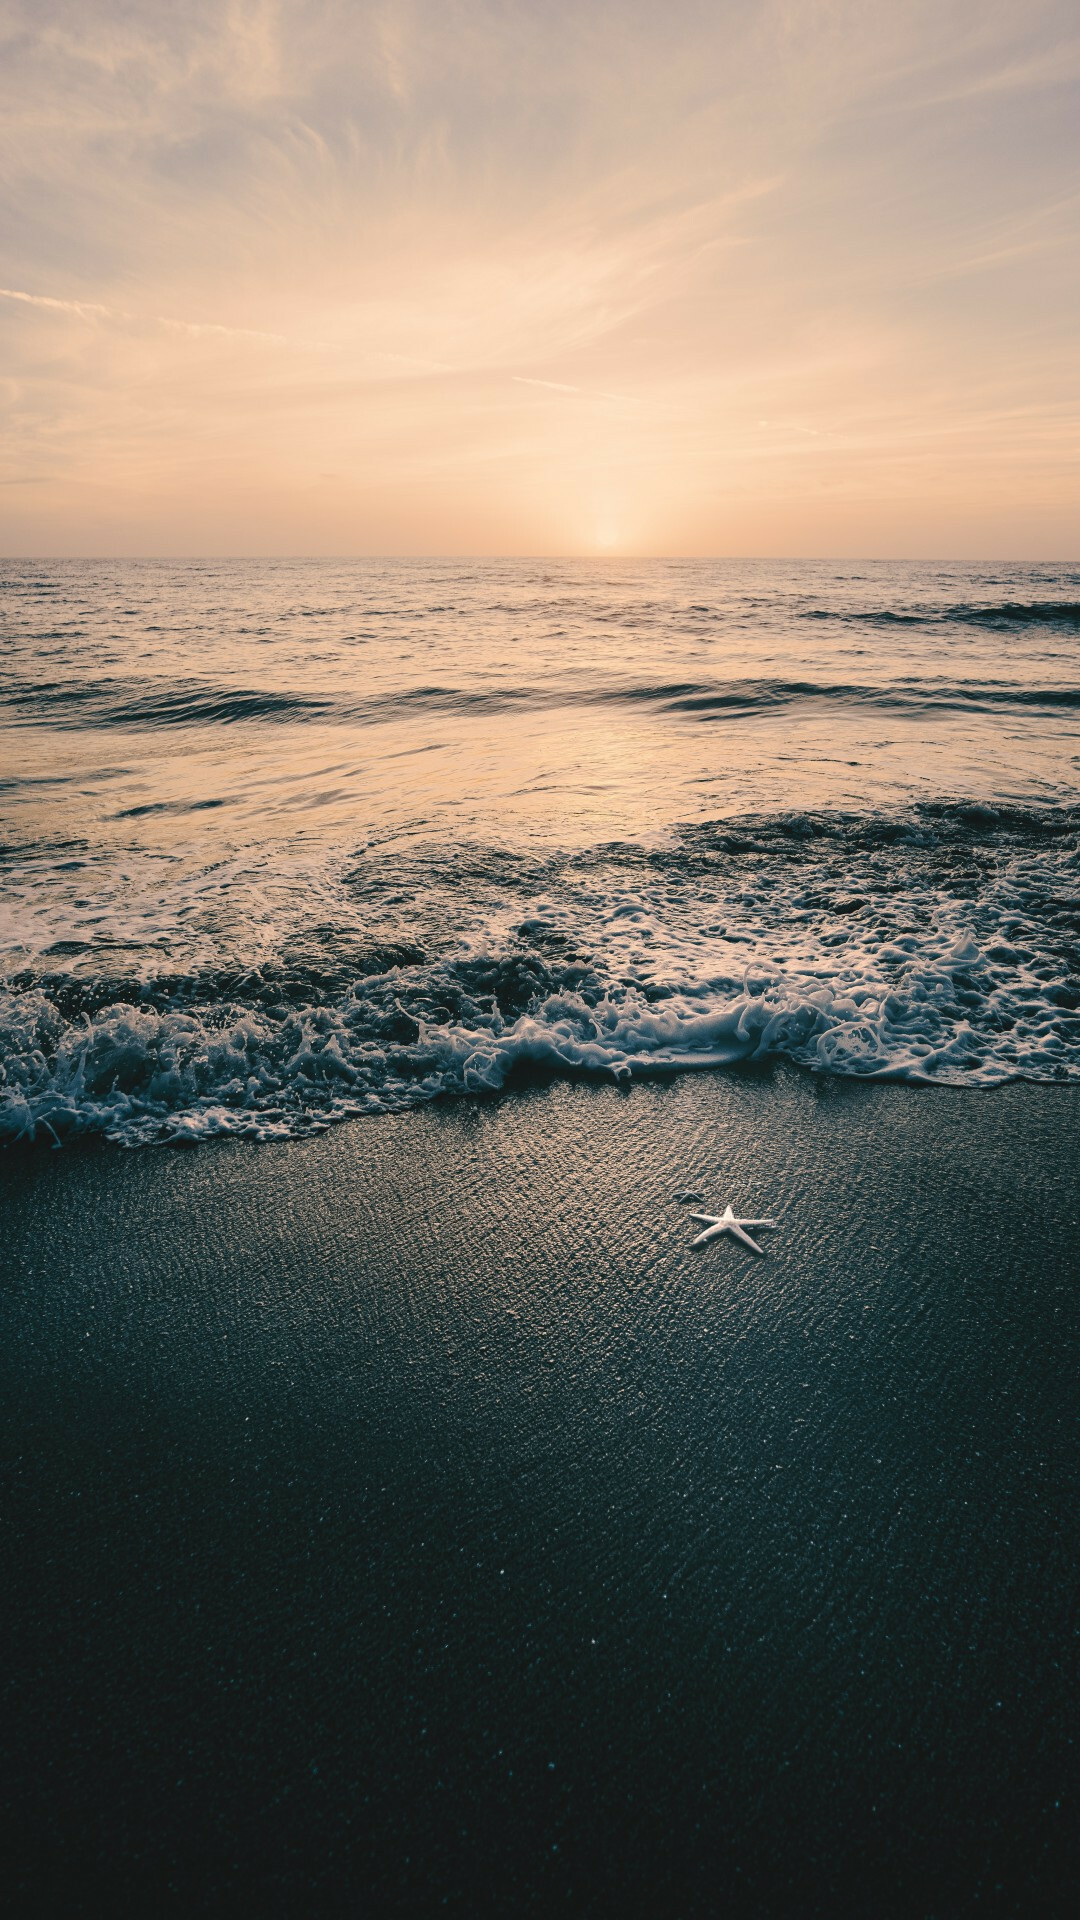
(287,841)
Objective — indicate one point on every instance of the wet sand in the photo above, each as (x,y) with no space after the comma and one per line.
(408,1520)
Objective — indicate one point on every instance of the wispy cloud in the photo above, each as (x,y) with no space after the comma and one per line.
(82,309)
(553,386)
(200,329)
(93,310)
(563,386)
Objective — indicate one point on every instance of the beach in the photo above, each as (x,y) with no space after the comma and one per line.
(407,1518)
(539,961)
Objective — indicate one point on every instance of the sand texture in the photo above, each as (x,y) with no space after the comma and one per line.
(409,1520)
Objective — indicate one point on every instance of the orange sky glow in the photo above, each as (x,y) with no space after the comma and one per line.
(758,277)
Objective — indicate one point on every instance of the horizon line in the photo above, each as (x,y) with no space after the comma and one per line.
(794,559)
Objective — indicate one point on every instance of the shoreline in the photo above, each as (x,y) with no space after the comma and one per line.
(407,1515)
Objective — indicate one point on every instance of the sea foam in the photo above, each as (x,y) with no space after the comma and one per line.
(938,947)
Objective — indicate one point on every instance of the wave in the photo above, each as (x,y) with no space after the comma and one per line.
(913,695)
(999,614)
(1019,613)
(121,704)
(939,946)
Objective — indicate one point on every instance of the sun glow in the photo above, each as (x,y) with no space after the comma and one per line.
(606,538)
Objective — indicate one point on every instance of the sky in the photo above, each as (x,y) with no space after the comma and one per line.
(770,277)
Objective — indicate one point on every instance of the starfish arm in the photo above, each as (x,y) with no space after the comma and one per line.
(759,1223)
(736,1229)
(711,1233)
(710,1219)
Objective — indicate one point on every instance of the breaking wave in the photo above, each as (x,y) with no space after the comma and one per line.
(940,945)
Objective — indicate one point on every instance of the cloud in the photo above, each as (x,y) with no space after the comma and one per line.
(563,386)
(82,309)
(553,386)
(91,310)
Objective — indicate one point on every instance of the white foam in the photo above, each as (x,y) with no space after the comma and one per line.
(897,967)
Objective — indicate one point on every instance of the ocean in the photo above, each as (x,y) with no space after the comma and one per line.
(289,841)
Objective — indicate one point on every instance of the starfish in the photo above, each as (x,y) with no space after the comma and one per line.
(718,1223)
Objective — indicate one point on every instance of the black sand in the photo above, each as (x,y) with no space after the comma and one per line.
(407,1520)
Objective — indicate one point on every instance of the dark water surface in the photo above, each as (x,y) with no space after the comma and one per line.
(407,1520)
(284,842)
